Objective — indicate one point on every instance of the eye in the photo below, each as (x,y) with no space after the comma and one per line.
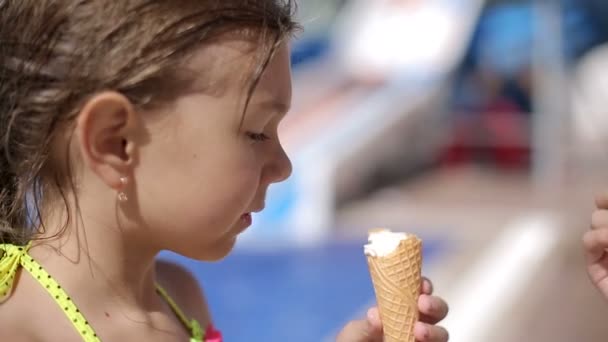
(257,137)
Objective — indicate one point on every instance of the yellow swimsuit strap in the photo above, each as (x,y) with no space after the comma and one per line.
(191,324)
(11,258)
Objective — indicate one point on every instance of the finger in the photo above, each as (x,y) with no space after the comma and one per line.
(430,333)
(595,243)
(365,330)
(432,309)
(599,219)
(601,201)
(427,286)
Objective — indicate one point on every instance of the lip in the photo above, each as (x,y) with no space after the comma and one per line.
(246,220)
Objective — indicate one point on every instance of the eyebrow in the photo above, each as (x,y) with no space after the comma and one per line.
(277,107)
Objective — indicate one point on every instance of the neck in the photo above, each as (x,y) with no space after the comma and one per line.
(95,255)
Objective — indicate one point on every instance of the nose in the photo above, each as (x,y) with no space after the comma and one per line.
(279,168)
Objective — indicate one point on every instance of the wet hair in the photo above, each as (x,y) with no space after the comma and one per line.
(57,54)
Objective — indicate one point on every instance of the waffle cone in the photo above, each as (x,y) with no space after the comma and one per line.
(397,284)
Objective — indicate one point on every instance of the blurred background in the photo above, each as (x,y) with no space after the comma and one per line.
(478,125)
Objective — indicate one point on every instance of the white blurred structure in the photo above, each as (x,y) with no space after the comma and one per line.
(590,102)
(551,100)
(391,37)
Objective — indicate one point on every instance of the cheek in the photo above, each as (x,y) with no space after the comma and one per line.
(199,188)
(222,194)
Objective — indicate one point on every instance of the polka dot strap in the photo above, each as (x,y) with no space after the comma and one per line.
(12,257)
(197,334)
(10,260)
(15,256)
(63,300)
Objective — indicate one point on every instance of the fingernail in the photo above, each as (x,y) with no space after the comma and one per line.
(373,317)
(372,314)
(422,330)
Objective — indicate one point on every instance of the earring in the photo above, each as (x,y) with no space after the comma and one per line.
(122,196)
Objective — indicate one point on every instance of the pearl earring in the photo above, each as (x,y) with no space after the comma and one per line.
(122,196)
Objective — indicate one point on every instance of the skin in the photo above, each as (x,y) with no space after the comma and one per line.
(595,244)
(192,172)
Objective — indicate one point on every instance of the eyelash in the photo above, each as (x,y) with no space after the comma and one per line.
(258,137)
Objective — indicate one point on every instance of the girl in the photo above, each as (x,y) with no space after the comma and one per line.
(131,127)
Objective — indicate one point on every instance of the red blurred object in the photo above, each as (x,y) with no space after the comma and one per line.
(213,335)
(498,135)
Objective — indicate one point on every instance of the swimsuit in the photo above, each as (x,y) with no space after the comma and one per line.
(12,257)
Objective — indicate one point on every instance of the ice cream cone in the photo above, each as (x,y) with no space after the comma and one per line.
(397,284)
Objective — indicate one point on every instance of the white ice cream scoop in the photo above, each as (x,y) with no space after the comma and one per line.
(383,242)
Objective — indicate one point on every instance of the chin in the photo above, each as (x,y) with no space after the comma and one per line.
(216,252)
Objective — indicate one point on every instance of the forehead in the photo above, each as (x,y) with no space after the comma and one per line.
(215,68)
(275,83)
(229,65)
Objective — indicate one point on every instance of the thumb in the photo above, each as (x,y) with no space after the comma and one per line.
(365,330)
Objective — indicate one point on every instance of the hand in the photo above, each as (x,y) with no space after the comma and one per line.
(432,310)
(595,242)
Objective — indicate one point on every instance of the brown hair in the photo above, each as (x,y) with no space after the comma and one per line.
(55,54)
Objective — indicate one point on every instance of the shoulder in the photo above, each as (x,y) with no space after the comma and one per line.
(185,290)
(18,321)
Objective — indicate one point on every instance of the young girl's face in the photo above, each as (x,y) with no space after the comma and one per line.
(202,167)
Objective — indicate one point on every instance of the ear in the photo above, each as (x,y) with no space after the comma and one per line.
(105,129)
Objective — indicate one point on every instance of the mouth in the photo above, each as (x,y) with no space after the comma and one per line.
(247,219)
